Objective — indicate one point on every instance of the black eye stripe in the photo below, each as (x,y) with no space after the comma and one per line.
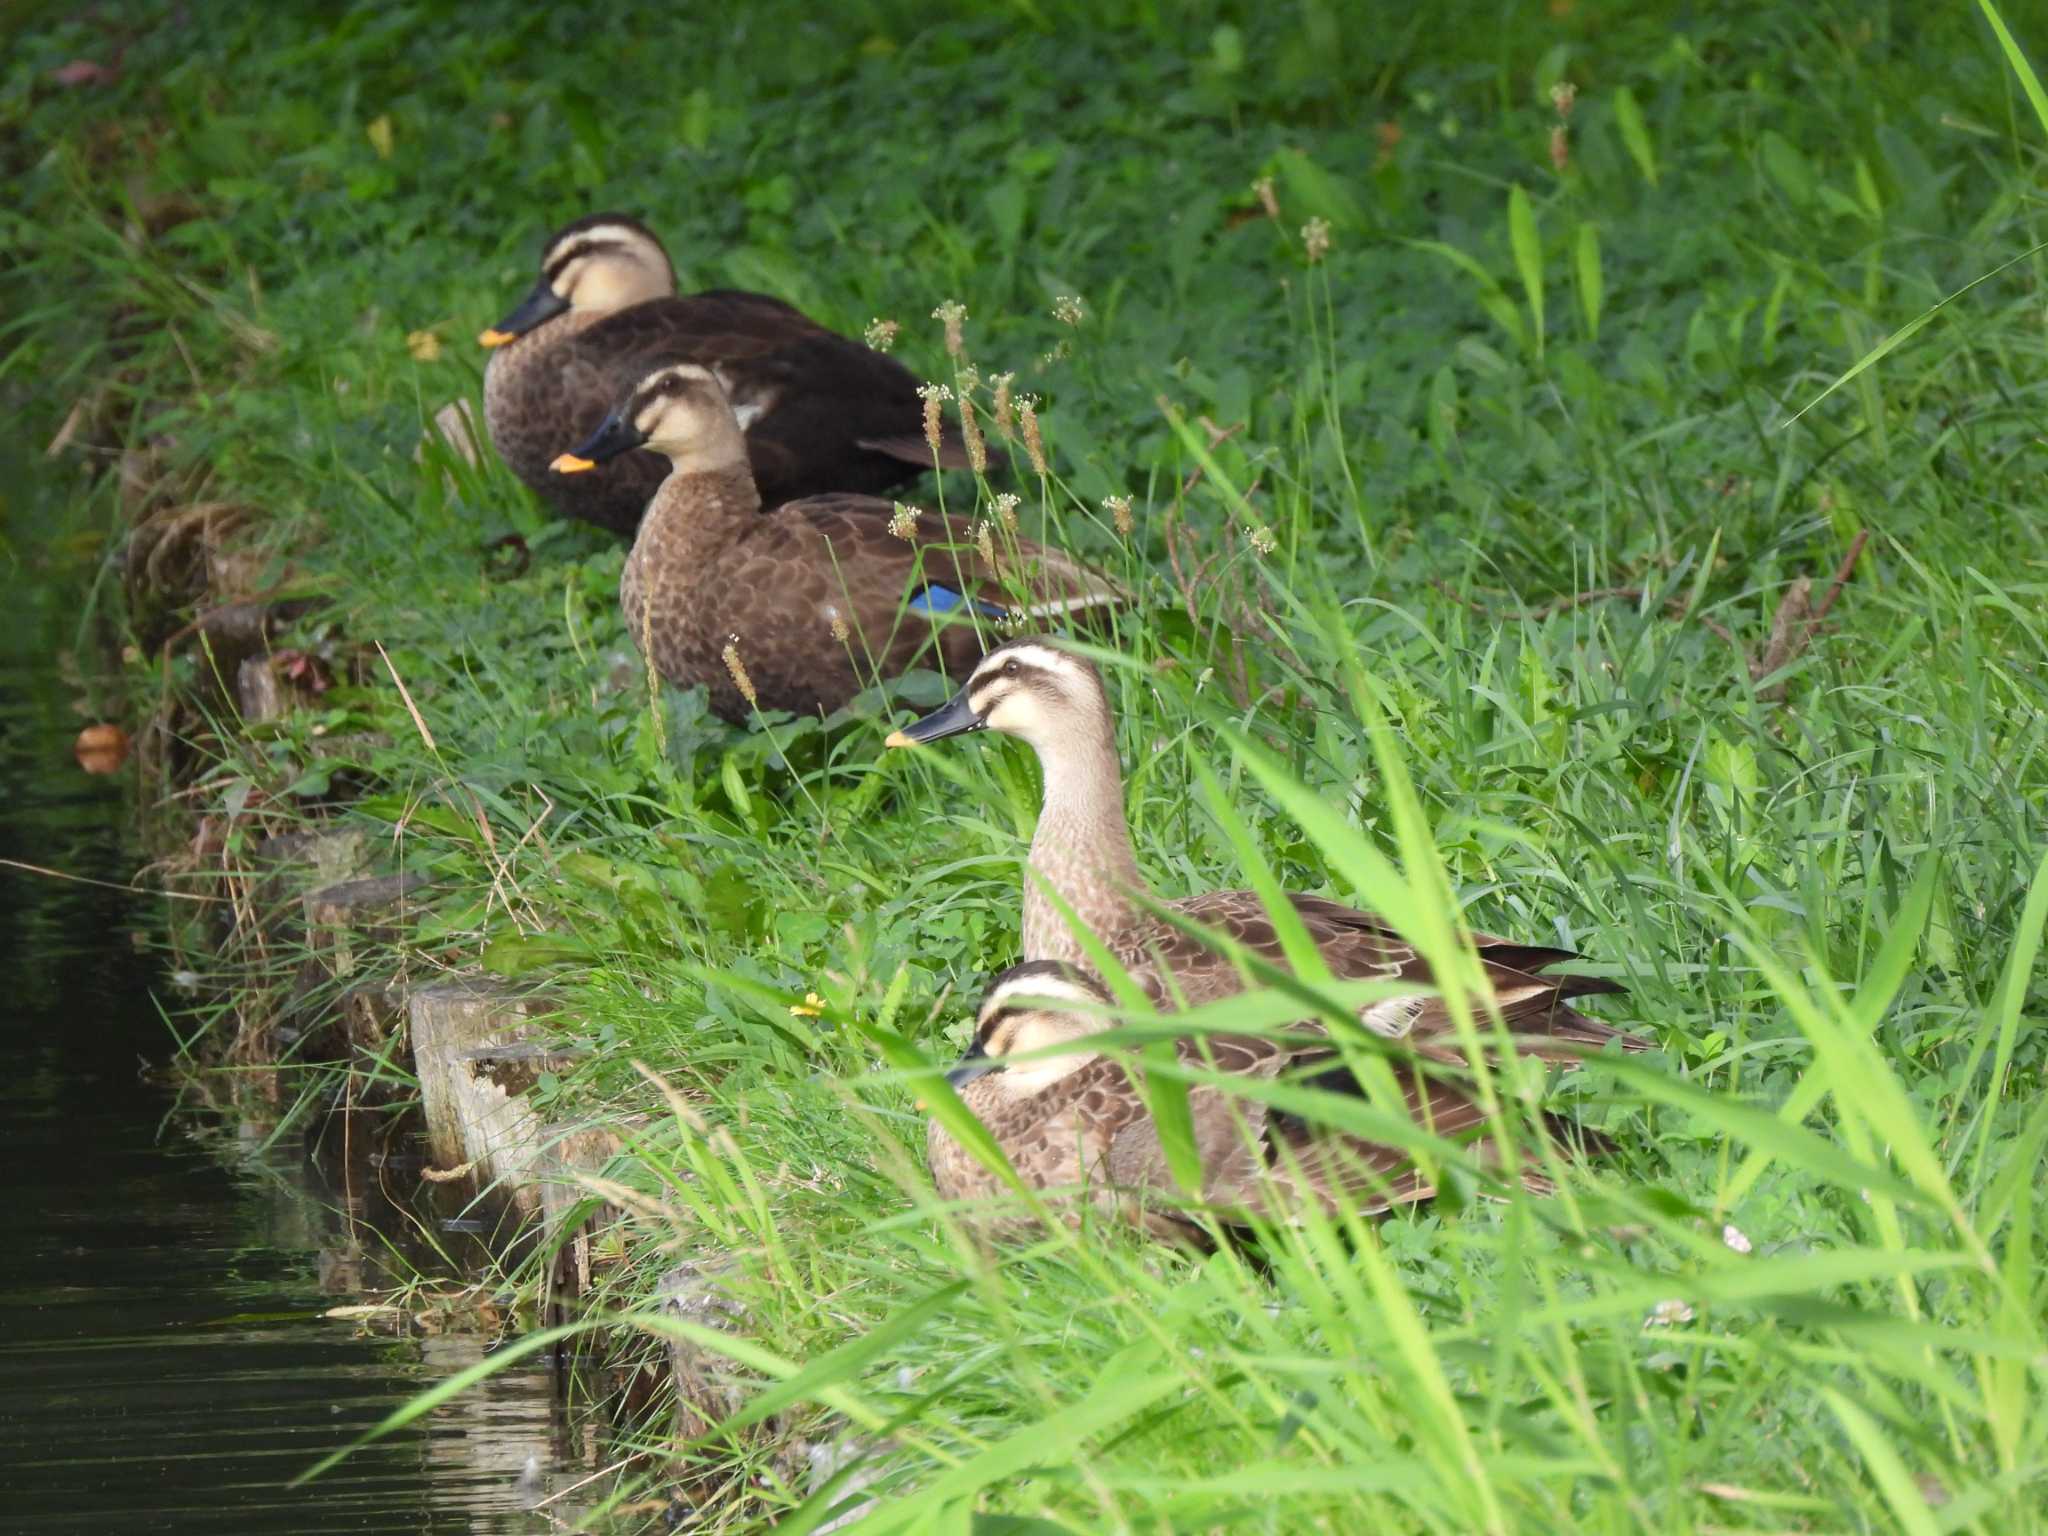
(581,248)
(987,1031)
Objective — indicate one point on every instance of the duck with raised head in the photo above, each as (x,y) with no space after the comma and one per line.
(1072,1119)
(802,607)
(820,412)
(1054,700)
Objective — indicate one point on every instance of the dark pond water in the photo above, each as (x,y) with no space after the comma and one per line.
(166,1363)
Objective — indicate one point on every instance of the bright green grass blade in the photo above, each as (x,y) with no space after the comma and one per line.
(2005,1011)
(2009,46)
(1910,329)
(442,1391)
(1893,963)
(1893,1481)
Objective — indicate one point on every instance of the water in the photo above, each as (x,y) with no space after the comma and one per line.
(165,1364)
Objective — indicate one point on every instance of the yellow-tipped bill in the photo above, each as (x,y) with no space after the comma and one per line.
(898,739)
(493,337)
(569,464)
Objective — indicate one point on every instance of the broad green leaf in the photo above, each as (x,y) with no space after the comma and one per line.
(1528,248)
(1635,133)
(1586,255)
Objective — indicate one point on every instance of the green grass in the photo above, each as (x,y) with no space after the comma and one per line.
(1508,387)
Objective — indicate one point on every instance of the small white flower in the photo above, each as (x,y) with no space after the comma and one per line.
(903,523)
(1666,1313)
(881,334)
(1068,310)
(1262,539)
(1315,239)
(1735,1238)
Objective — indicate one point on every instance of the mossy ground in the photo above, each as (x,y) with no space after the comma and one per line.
(1501,500)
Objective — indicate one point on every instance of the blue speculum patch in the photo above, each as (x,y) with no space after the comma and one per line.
(938,599)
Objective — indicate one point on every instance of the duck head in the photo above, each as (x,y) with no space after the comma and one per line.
(1029,688)
(1032,1008)
(595,265)
(680,411)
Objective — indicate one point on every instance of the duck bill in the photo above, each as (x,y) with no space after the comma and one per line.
(976,1063)
(953,718)
(614,436)
(539,306)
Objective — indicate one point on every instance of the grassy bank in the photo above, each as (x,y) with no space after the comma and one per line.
(1461,544)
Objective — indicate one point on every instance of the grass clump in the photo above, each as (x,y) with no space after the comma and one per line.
(1432,389)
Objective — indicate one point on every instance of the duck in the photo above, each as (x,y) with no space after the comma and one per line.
(1053,699)
(1073,1122)
(821,412)
(801,607)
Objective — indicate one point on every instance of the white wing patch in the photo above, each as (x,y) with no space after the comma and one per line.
(749,405)
(1056,606)
(1393,1017)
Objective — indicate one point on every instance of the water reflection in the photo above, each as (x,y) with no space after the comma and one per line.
(165,1360)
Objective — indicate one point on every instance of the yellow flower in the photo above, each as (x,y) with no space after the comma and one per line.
(424,346)
(810,1008)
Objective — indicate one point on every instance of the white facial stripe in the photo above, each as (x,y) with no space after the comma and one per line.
(1043,657)
(688,371)
(600,234)
(1039,993)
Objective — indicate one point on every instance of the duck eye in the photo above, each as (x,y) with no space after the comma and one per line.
(1010,667)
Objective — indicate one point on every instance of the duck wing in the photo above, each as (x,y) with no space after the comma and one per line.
(1358,945)
(935,566)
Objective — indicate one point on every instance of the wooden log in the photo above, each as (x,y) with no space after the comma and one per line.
(260,694)
(571,1214)
(343,920)
(474,1051)
(709,1387)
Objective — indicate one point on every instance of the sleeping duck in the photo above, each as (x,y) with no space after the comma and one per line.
(820,412)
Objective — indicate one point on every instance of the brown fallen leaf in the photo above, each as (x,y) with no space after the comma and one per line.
(101,748)
(84,72)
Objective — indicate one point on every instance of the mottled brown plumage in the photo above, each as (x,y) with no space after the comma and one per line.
(821,412)
(1075,1122)
(1055,700)
(820,597)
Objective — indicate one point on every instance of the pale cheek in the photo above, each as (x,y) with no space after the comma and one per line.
(601,289)
(1033,1078)
(1014,716)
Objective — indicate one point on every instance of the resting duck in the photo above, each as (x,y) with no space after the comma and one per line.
(820,412)
(802,607)
(1055,701)
(1073,1120)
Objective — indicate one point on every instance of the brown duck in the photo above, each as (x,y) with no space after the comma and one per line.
(820,412)
(802,607)
(1072,1120)
(1055,700)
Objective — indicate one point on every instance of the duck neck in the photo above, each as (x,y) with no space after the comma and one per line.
(1082,850)
(694,516)
(530,346)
